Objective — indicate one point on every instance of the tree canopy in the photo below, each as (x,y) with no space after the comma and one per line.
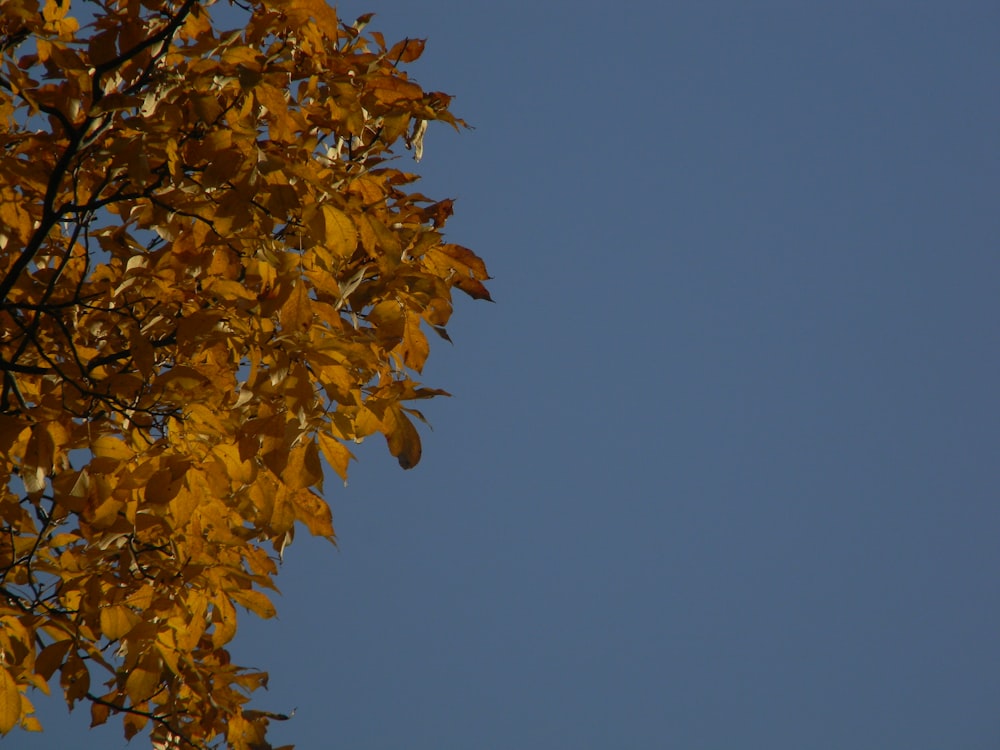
(215,272)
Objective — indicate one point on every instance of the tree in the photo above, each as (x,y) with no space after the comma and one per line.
(215,273)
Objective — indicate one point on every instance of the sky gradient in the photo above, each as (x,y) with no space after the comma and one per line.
(721,466)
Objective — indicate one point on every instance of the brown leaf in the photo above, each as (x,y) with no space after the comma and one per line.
(403,438)
(407,50)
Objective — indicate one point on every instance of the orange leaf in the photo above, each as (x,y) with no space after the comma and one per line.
(403,438)
(99,714)
(407,50)
(391,90)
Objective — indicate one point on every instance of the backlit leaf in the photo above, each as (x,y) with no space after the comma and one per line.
(255,601)
(339,232)
(336,454)
(116,621)
(10,702)
(142,682)
(296,313)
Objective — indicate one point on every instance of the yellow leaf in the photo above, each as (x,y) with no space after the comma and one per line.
(255,601)
(182,379)
(111,447)
(239,470)
(168,651)
(251,298)
(38,459)
(143,597)
(282,518)
(229,290)
(415,346)
(389,319)
(142,681)
(366,421)
(299,11)
(336,454)
(296,314)
(462,267)
(339,233)
(116,621)
(134,723)
(189,629)
(10,702)
(303,468)
(224,617)
(313,511)
(183,505)
(31,724)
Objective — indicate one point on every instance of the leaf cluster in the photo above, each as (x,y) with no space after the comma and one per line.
(214,274)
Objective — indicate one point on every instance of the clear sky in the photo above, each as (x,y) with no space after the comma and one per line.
(722,465)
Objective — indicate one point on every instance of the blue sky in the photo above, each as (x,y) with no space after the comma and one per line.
(721,466)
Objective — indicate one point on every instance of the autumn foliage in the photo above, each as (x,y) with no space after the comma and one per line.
(214,273)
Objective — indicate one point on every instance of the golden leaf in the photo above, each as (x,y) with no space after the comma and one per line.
(296,313)
(224,619)
(254,601)
(142,681)
(107,446)
(303,468)
(10,701)
(336,454)
(313,511)
(134,723)
(116,621)
(338,233)
(214,275)
(30,723)
(415,343)
(238,469)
